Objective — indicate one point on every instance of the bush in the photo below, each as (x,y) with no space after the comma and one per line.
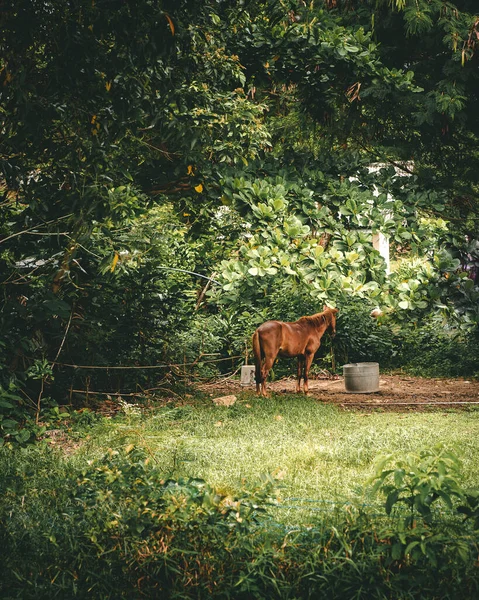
(118,529)
(360,337)
(433,350)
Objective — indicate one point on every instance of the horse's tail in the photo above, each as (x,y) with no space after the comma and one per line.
(257,356)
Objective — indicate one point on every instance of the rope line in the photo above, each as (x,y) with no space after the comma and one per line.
(429,403)
(195,363)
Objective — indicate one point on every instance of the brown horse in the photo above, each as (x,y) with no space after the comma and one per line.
(301,338)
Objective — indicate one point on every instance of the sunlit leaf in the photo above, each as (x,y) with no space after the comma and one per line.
(114,262)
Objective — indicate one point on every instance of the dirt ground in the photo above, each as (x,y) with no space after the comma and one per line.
(396,392)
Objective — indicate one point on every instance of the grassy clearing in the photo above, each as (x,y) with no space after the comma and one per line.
(320,451)
(118,528)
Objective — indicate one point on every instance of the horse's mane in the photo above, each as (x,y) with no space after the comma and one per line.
(318,318)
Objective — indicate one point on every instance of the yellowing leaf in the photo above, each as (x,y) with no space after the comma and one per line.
(114,261)
(93,119)
(170,23)
(108,86)
(199,188)
(190,170)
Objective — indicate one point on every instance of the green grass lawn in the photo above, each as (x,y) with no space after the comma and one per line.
(320,452)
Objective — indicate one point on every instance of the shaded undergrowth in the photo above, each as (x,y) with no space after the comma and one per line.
(119,527)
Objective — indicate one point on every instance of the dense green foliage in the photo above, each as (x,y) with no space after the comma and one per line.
(171,175)
(259,144)
(119,528)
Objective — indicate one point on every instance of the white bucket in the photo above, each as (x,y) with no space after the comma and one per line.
(361,378)
(247,375)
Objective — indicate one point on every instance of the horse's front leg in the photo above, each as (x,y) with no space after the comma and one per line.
(300,373)
(307,365)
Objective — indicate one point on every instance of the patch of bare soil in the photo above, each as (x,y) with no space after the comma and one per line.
(396,392)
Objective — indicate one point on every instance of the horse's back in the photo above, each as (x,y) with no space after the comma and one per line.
(269,326)
(270,329)
(285,338)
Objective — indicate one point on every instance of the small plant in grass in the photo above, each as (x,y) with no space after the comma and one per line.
(471,508)
(419,481)
(422,482)
(129,409)
(17,426)
(85,418)
(41,370)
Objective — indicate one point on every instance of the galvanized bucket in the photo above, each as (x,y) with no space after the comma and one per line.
(361,378)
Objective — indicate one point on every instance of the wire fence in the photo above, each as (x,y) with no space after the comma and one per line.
(196,362)
(181,370)
(184,371)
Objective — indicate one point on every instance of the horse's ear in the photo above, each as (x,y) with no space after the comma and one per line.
(333,310)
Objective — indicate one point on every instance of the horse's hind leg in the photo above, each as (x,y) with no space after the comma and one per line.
(260,382)
(258,361)
(268,363)
(307,366)
(259,377)
(300,373)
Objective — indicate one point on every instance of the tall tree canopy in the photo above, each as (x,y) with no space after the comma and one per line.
(261,142)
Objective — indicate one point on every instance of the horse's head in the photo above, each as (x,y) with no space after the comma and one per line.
(330,314)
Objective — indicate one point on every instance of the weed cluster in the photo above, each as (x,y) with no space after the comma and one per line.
(119,529)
